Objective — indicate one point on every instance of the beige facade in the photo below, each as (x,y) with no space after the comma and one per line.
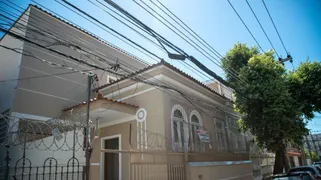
(156,148)
(166,145)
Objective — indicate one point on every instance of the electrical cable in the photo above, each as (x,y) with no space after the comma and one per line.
(262,28)
(56,36)
(183,63)
(275,27)
(112,45)
(51,64)
(196,46)
(196,62)
(191,31)
(113,30)
(35,77)
(245,25)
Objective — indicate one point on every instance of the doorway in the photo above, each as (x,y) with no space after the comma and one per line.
(111,162)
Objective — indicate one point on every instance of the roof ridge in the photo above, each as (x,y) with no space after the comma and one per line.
(130,75)
(90,34)
(163,62)
(97,99)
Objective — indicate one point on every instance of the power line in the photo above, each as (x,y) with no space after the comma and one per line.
(262,27)
(198,38)
(158,46)
(189,41)
(157,85)
(67,44)
(51,64)
(104,29)
(275,27)
(181,55)
(36,77)
(245,25)
(161,49)
(92,34)
(113,30)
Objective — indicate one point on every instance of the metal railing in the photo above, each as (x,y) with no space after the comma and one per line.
(168,171)
(185,140)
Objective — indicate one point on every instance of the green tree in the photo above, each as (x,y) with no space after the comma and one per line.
(240,52)
(270,101)
(305,86)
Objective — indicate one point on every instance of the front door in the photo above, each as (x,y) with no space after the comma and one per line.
(111,160)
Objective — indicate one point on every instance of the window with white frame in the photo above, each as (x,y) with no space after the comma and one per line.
(195,124)
(179,129)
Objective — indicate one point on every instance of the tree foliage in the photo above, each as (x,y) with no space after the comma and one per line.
(315,156)
(240,52)
(273,101)
(305,86)
(268,109)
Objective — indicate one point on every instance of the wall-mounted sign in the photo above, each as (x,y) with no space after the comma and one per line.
(141,115)
(203,135)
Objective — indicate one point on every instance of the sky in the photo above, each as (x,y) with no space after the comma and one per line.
(298,22)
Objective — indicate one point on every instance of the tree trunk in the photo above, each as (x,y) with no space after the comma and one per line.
(279,162)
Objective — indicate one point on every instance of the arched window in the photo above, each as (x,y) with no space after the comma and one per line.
(179,129)
(195,125)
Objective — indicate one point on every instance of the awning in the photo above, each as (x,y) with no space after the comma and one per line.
(105,109)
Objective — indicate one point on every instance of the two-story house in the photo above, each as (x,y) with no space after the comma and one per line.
(154,123)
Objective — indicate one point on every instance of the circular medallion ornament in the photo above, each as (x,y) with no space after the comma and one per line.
(141,115)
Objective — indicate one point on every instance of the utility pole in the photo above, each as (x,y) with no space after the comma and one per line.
(87,153)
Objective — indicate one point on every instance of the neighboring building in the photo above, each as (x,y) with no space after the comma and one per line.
(170,131)
(221,89)
(313,143)
(294,157)
(187,129)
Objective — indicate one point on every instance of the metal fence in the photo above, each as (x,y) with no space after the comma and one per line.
(32,136)
(23,170)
